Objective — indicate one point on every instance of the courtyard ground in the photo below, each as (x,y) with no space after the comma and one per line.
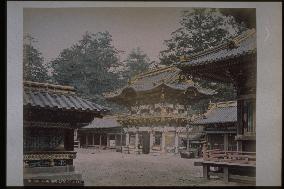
(110,168)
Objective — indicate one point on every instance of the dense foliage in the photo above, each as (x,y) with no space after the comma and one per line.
(200,29)
(33,62)
(93,66)
(137,62)
(86,64)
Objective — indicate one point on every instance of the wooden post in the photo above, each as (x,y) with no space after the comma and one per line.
(100,141)
(163,141)
(204,149)
(151,141)
(226,174)
(239,146)
(121,139)
(127,139)
(176,142)
(136,140)
(87,142)
(69,139)
(226,142)
(93,143)
(107,140)
(206,171)
(75,134)
(51,162)
(240,104)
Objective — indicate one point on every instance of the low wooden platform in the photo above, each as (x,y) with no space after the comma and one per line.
(226,174)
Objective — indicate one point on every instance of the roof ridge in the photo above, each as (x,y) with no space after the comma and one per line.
(48,86)
(234,42)
(223,104)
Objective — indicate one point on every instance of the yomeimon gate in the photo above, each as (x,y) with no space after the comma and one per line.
(51,113)
(235,62)
(159,105)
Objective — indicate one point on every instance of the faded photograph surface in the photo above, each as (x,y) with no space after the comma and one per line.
(139,96)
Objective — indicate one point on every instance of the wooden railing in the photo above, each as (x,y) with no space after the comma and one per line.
(249,132)
(218,155)
(232,147)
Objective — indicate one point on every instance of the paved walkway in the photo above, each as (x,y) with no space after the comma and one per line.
(109,168)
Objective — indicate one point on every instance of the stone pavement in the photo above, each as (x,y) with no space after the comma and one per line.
(110,168)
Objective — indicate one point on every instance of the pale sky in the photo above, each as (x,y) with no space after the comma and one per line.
(59,28)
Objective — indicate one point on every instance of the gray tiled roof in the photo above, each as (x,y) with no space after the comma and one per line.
(105,122)
(167,76)
(244,44)
(219,115)
(59,101)
(46,98)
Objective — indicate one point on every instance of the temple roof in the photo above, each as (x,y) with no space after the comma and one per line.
(167,78)
(58,97)
(222,112)
(241,45)
(105,122)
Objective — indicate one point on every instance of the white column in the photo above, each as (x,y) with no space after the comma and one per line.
(239,146)
(151,141)
(115,138)
(127,139)
(176,142)
(136,140)
(75,134)
(163,141)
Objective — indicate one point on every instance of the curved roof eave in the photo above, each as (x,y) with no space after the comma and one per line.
(202,90)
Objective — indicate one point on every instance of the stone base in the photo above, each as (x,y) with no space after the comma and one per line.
(55,169)
(48,182)
(55,176)
(52,176)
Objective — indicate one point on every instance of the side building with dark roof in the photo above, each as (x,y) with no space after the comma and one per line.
(234,61)
(51,113)
(102,133)
(220,125)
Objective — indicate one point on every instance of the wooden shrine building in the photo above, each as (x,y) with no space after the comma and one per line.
(51,113)
(220,125)
(233,61)
(102,133)
(159,110)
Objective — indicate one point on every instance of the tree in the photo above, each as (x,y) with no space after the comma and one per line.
(86,64)
(137,62)
(34,68)
(201,28)
(247,15)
